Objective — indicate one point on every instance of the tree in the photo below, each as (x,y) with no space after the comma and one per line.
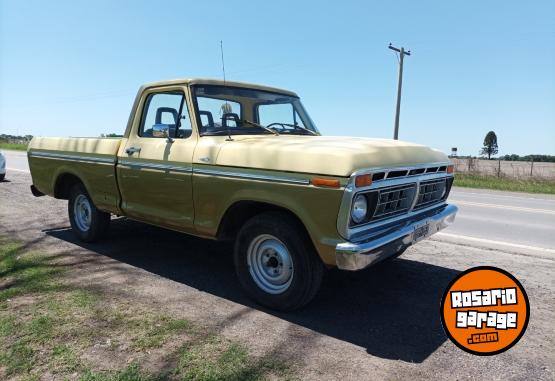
(490,145)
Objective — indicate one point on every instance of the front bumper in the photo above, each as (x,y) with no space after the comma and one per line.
(358,255)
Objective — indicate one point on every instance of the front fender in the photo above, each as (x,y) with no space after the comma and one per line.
(317,208)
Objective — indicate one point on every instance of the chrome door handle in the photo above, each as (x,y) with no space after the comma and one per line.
(132,150)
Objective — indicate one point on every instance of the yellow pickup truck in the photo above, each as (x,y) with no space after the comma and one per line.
(244,162)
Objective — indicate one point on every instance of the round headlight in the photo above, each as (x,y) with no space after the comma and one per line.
(359,209)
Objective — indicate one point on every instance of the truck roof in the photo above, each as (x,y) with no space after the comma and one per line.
(208,81)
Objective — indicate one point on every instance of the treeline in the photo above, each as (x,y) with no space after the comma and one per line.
(535,158)
(512,157)
(15,138)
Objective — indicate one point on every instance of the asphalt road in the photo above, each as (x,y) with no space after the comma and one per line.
(16,161)
(380,323)
(514,221)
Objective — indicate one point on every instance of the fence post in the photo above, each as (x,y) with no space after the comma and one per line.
(531,166)
(499,168)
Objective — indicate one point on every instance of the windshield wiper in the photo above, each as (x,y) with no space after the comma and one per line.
(260,126)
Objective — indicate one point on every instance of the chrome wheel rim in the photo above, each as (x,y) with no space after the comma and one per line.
(270,264)
(82,212)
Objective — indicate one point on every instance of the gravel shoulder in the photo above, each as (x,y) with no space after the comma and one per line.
(382,323)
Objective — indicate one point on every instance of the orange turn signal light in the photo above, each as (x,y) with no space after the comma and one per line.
(363,181)
(329,183)
(450,168)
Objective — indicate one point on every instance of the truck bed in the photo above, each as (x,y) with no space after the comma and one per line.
(93,160)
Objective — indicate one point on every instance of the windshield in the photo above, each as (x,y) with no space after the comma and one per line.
(226,110)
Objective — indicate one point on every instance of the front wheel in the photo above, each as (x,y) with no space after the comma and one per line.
(276,263)
(87,222)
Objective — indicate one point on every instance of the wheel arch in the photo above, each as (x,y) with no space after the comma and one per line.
(240,212)
(63,184)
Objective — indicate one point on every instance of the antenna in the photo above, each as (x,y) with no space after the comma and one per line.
(223,62)
(226,105)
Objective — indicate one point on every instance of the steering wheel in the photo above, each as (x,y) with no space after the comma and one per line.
(293,126)
(283,128)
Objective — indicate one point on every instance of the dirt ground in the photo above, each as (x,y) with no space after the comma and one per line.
(381,323)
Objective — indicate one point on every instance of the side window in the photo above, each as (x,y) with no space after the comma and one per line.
(165,114)
(217,113)
(278,113)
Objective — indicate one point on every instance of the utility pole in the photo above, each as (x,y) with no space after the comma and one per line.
(402,54)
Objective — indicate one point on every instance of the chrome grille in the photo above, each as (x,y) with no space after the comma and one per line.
(378,176)
(391,201)
(430,192)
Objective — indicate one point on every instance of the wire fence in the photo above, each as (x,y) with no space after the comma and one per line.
(502,168)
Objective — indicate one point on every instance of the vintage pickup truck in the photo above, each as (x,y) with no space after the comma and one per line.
(244,162)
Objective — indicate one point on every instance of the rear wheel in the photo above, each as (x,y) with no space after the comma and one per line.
(87,222)
(2,176)
(276,263)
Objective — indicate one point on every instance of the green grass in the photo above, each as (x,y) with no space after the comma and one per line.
(213,358)
(14,146)
(505,184)
(24,274)
(132,372)
(46,325)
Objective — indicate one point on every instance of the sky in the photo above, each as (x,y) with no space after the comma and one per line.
(72,68)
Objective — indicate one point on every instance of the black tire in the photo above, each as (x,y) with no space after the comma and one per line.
(308,268)
(99,220)
(2,177)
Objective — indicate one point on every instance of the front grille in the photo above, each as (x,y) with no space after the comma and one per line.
(387,202)
(430,192)
(392,201)
(394,173)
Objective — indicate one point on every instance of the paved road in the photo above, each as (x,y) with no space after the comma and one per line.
(16,160)
(486,218)
(515,220)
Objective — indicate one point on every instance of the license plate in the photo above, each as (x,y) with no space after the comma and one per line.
(421,232)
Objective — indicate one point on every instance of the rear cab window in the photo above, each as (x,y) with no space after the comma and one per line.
(165,114)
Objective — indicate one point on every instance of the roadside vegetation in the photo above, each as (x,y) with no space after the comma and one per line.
(49,329)
(14,146)
(505,184)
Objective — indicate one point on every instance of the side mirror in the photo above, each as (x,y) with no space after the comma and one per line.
(161,131)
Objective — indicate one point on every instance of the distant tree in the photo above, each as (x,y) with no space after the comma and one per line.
(490,145)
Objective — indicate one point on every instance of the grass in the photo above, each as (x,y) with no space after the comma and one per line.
(48,327)
(505,184)
(215,358)
(14,146)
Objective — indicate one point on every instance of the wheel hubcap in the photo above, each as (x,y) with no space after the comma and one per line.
(270,264)
(82,212)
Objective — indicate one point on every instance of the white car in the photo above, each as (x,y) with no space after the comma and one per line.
(2,166)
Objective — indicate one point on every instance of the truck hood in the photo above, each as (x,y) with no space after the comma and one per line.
(326,155)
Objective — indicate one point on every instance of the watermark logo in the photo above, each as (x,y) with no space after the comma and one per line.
(485,310)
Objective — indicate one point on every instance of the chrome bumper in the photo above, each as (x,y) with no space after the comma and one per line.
(358,255)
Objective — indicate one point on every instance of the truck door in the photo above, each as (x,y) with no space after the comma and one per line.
(155,162)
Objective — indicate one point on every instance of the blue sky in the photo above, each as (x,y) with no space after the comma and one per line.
(72,68)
